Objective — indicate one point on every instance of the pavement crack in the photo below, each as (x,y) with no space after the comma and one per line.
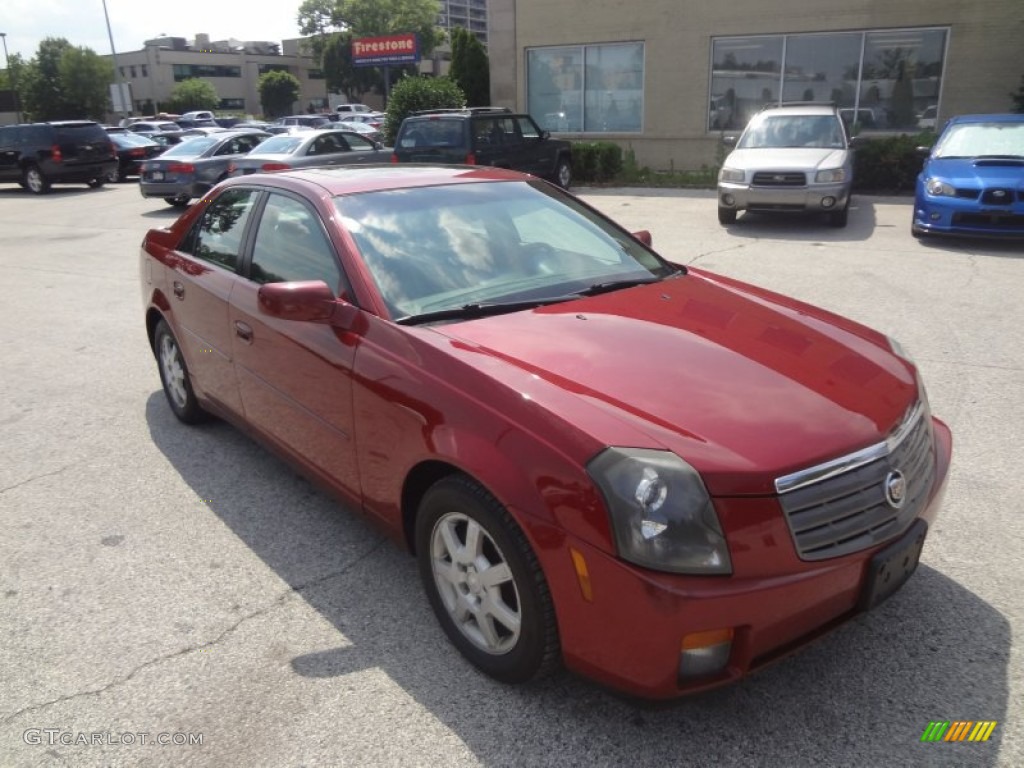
(738,247)
(275,603)
(36,477)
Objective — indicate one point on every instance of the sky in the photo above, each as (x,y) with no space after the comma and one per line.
(27,22)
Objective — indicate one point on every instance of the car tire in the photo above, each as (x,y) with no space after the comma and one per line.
(563,173)
(726,216)
(839,218)
(916,231)
(175,377)
(177,202)
(484,582)
(35,180)
(97,182)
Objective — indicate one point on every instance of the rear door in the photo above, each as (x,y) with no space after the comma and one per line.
(10,170)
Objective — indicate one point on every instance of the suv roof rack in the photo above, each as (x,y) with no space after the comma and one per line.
(460,110)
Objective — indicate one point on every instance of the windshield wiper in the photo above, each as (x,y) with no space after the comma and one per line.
(614,285)
(470,311)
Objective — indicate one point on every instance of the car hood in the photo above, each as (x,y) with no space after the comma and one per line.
(743,384)
(796,158)
(976,172)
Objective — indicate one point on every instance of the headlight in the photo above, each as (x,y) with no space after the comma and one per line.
(661,514)
(939,188)
(730,174)
(832,176)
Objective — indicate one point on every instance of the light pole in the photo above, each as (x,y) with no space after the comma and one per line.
(123,97)
(10,76)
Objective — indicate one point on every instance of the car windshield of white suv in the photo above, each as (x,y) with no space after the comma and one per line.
(982,140)
(471,249)
(792,131)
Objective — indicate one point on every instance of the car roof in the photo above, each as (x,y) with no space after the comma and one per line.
(377,177)
(996,118)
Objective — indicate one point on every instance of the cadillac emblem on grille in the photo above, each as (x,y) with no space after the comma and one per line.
(895,489)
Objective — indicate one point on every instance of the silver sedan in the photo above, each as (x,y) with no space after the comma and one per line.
(310,148)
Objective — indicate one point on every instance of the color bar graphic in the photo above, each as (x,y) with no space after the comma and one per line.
(959,730)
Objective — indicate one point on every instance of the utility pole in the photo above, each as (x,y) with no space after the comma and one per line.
(118,80)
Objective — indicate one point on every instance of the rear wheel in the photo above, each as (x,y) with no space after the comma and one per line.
(726,215)
(484,582)
(178,202)
(35,180)
(97,182)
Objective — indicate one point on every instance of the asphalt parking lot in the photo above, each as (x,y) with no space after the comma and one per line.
(160,582)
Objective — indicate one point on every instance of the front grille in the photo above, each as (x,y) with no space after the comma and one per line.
(842,506)
(779,179)
(989,220)
(998,196)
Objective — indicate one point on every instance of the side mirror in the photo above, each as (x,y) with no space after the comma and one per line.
(310,301)
(730,141)
(854,142)
(644,236)
(923,151)
(378,145)
(545,135)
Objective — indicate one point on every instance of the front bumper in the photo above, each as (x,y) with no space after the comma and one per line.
(810,197)
(952,216)
(629,634)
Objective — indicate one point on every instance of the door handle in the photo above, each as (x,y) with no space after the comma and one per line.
(179,290)
(243,331)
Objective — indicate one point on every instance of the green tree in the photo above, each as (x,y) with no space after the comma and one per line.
(41,87)
(278,92)
(193,94)
(470,68)
(341,75)
(85,79)
(415,93)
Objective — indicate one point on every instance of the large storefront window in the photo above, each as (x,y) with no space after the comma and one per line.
(884,80)
(587,89)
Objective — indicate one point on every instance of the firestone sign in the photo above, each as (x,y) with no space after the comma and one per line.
(393,49)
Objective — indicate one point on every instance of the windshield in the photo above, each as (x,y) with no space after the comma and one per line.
(131,140)
(278,145)
(433,249)
(977,139)
(778,131)
(191,147)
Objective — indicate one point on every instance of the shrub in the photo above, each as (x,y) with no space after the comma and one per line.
(889,164)
(596,160)
(412,94)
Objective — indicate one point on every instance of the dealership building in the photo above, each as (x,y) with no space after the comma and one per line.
(667,78)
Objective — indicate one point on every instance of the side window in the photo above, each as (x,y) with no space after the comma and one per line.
(358,142)
(510,131)
(217,238)
(486,133)
(291,245)
(528,128)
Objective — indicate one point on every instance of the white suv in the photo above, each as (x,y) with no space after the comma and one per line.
(789,158)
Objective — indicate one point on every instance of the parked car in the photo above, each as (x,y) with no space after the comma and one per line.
(349,109)
(484,136)
(132,150)
(789,158)
(190,169)
(306,121)
(973,180)
(203,130)
(373,119)
(366,130)
(154,126)
(663,477)
(37,155)
(307,149)
(198,116)
(926,121)
(864,118)
(166,139)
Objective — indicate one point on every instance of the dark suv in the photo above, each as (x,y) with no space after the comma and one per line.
(36,155)
(483,136)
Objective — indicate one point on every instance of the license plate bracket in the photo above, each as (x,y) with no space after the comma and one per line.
(890,568)
(157,175)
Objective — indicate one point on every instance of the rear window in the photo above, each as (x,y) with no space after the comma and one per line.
(75,134)
(432,133)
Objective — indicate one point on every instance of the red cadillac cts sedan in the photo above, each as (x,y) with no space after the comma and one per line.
(660,477)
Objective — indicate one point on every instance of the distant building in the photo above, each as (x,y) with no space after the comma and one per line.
(468,14)
(233,67)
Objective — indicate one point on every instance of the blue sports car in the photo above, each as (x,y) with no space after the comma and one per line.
(973,179)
